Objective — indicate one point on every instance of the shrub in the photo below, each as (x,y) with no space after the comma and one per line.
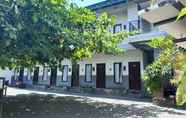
(155,75)
(181,90)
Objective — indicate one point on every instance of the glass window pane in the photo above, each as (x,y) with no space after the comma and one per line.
(45,73)
(88,74)
(1,83)
(117,73)
(65,73)
(28,74)
(117,28)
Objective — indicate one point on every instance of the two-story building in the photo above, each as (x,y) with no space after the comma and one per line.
(112,71)
(107,71)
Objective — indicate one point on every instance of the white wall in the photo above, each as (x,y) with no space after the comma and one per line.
(119,12)
(132,12)
(59,72)
(7,74)
(109,60)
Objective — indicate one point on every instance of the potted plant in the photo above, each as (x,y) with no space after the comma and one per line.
(155,77)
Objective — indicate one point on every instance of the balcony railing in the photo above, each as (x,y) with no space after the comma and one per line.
(134,25)
(146,4)
(163,2)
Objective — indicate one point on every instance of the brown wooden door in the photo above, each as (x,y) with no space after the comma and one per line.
(100,76)
(36,75)
(21,74)
(53,76)
(75,75)
(134,75)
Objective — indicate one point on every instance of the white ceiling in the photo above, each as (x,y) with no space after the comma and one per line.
(126,45)
(159,14)
(183,2)
(177,29)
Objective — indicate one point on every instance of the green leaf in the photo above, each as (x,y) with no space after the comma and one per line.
(181,91)
(182,13)
(44,30)
(56,1)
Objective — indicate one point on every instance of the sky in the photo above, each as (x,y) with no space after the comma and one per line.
(86,2)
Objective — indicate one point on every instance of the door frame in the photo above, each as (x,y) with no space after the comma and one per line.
(67,79)
(53,82)
(36,77)
(120,72)
(132,87)
(85,80)
(75,70)
(97,78)
(21,74)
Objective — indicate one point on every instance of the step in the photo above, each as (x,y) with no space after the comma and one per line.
(74,90)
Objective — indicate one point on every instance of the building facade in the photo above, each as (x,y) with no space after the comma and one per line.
(124,71)
(106,71)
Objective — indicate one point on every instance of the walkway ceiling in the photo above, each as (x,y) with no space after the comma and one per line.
(165,17)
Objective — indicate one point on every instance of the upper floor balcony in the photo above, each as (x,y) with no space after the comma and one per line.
(153,4)
(163,13)
(138,41)
(134,25)
(159,10)
(130,26)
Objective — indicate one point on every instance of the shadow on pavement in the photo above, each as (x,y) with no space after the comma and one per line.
(49,106)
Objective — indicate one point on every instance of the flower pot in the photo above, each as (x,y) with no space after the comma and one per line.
(158,94)
(158,97)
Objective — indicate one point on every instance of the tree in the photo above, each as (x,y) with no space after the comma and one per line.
(47,31)
(181,96)
(182,14)
(181,90)
(159,71)
(179,63)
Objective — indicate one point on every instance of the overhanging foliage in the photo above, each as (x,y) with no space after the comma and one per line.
(47,31)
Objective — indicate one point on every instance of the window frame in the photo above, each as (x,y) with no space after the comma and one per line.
(120,73)
(86,65)
(63,74)
(29,74)
(117,25)
(125,27)
(3,82)
(45,67)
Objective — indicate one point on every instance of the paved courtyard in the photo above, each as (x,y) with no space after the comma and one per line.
(34,104)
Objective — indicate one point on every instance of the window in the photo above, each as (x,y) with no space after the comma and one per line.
(134,25)
(36,75)
(125,27)
(2,83)
(45,73)
(117,73)
(88,72)
(117,28)
(21,74)
(65,73)
(29,74)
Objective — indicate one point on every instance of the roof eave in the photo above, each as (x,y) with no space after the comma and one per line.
(104,4)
